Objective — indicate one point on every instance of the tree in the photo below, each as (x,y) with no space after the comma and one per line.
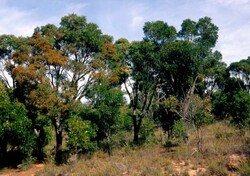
(233,106)
(70,67)
(189,54)
(11,48)
(106,93)
(233,99)
(142,82)
(166,114)
(241,70)
(200,115)
(80,42)
(24,62)
(205,37)
(143,60)
(106,102)
(240,111)
(15,130)
(188,30)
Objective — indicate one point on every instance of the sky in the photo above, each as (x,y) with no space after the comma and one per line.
(125,18)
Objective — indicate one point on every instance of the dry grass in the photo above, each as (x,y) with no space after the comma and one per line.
(220,143)
(150,160)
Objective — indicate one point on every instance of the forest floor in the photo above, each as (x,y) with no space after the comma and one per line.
(225,151)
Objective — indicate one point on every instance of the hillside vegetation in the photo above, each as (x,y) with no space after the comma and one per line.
(225,151)
(73,98)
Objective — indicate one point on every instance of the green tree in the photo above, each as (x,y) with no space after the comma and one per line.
(106,101)
(141,81)
(166,114)
(241,70)
(11,48)
(187,53)
(232,102)
(26,71)
(70,65)
(15,130)
(159,32)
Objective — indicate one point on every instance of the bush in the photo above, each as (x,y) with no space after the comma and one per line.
(178,129)
(147,130)
(80,135)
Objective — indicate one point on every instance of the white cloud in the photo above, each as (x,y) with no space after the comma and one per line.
(234,43)
(136,22)
(15,21)
(137,19)
(229,2)
(21,22)
(75,8)
(232,18)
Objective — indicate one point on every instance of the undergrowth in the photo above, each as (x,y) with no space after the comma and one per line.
(173,157)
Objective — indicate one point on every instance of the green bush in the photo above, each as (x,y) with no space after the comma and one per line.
(147,130)
(80,135)
(178,129)
(16,135)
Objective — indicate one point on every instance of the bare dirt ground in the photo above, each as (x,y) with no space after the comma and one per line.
(18,172)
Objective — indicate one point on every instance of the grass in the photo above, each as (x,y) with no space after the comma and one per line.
(137,161)
(220,141)
(244,169)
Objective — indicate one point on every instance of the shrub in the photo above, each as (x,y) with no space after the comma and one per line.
(80,135)
(147,130)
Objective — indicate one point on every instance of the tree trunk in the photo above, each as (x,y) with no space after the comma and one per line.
(136,134)
(40,139)
(199,142)
(59,140)
(108,142)
(187,101)
(3,152)
(137,126)
(186,105)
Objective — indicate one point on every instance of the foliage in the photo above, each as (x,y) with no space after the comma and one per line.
(200,111)
(124,120)
(167,114)
(106,102)
(240,111)
(80,135)
(15,129)
(233,103)
(147,130)
(178,129)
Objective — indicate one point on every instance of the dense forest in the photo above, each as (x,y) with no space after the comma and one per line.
(75,87)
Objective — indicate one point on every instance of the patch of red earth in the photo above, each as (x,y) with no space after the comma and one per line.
(181,167)
(235,160)
(17,172)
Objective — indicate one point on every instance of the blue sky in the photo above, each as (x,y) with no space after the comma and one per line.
(125,18)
